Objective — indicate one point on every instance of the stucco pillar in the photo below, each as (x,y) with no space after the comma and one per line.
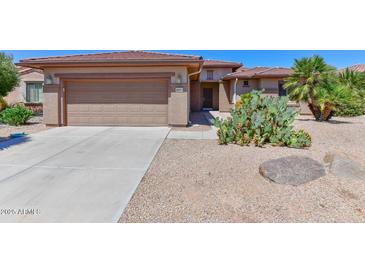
(225,104)
(51,111)
(178,106)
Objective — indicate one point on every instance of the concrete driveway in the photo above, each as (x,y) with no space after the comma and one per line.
(75,174)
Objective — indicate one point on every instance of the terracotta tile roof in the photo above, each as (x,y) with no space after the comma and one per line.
(24,70)
(358,68)
(119,56)
(221,64)
(258,72)
(21,69)
(242,68)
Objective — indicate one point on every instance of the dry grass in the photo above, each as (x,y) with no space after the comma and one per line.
(200,181)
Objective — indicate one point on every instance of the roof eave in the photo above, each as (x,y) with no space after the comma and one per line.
(221,66)
(230,77)
(105,63)
(254,76)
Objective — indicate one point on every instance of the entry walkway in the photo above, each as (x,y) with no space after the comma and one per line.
(201,127)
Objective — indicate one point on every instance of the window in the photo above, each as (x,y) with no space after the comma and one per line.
(209,74)
(246,83)
(34,92)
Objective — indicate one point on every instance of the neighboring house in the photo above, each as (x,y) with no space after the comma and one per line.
(30,89)
(138,88)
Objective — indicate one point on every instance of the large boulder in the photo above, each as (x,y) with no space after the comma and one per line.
(345,168)
(292,170)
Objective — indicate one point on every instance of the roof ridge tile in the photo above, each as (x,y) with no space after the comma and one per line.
(107,54)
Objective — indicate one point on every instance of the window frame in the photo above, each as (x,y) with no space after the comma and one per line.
(27,91)
(210,74)
(244,83)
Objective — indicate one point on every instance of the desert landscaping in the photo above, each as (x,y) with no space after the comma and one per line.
(201,181)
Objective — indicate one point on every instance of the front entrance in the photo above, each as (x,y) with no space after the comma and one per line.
(207,97)
(204,96)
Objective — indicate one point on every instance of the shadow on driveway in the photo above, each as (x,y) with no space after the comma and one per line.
(6,142)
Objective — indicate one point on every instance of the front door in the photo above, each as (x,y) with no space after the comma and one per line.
(282,90)
(208,98)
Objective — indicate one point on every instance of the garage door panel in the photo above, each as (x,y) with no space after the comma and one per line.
(127,102)
(130,121)
(116,110)
(116,97)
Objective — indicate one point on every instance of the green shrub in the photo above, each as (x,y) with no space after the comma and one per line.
(350,109)
(3,104)
(16,116)
(260,119)
(299,139)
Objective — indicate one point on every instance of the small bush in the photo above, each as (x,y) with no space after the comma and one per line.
(299,139)
(3,104)
(15,116)
(351,108)
(260,119)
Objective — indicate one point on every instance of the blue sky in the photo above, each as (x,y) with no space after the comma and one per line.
(250,58)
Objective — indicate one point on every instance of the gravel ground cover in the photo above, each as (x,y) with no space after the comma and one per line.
(34,125)
(201,181)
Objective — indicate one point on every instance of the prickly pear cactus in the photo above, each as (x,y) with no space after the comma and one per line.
(259,120)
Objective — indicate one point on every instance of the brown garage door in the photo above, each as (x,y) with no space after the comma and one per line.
(117,103)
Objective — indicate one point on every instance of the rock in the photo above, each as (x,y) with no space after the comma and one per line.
(343,167)
(292,170)
(37,119)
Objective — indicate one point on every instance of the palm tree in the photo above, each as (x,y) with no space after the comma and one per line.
(331,97)
(352,79)
(306,82)
(355,82)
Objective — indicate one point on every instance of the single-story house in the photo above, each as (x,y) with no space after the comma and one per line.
(139,88)
(30,89)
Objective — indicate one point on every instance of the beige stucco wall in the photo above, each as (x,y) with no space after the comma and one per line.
(51,112)
(19,93)
(225,102)
(241,89)
(181,74)
(178,107)
(270,85)
(178,103)
(218,73)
